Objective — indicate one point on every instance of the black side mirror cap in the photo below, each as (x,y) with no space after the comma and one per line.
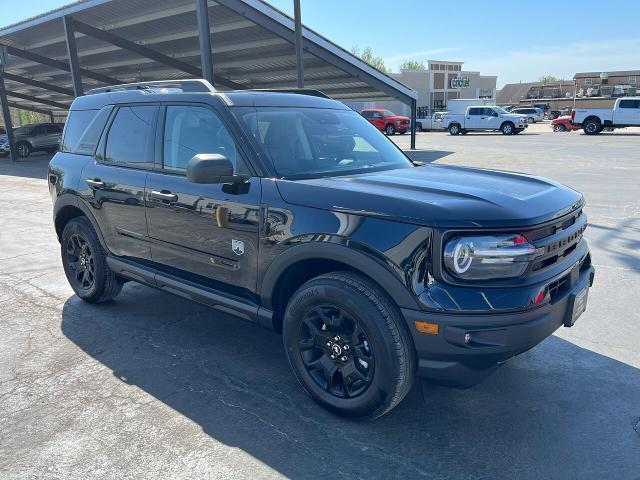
(209,168)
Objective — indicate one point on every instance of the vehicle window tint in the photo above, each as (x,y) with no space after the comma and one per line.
(488,111)
(91,136)
(39,130)
(53,129)
(77,122)
(476,111)
(376,115)
(629,103)
(191,130)
(366,114)
(130,137)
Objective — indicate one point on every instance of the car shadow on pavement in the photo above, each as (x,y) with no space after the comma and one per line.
(557,411)
(33,166)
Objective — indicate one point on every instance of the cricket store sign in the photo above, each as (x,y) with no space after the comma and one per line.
(459,81)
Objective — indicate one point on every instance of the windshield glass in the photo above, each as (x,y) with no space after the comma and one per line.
(315,142)
(500,110)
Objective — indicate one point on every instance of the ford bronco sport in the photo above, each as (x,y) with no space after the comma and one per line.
(293,211)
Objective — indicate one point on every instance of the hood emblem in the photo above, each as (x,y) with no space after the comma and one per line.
(237,246)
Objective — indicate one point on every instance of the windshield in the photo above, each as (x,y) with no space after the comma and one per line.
(315,142)
(500,110)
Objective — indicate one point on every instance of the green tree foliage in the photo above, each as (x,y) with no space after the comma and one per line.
(547,79)
(367,55)
(412,65)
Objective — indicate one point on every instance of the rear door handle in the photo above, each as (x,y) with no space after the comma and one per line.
(164,196)
(97,183)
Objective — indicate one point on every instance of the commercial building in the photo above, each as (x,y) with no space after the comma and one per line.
(439,82)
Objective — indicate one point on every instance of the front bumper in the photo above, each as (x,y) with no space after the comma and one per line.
(445,357)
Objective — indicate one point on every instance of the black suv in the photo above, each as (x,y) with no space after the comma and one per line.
(292,211)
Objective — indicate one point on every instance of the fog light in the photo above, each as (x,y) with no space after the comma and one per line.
(467,338)
(428,328)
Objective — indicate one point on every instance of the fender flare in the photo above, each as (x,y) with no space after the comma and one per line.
(365,263)
(72,200)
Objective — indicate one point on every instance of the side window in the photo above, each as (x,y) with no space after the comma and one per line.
(627,104)
(376,115)
(476,111)
(189,130)
(488,112)
(366,114)
(91,136)
(39,130)
(130,138)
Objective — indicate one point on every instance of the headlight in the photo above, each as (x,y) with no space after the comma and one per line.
(487,257)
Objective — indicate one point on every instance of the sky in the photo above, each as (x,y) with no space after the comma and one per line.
(513,40)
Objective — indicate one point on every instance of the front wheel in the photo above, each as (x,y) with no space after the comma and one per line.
(454,129)
(24,149)
(507,128)
(85,263)
(348,346)
(559,128)
(390,129)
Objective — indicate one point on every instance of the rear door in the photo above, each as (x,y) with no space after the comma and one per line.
(628,112)
(195,229)
(52,136)
(114,183)
(38,137)
(474,119)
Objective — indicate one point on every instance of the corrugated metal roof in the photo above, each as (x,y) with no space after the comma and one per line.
(252,46)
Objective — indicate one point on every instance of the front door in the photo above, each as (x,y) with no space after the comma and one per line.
(475,118)
(492,119)
(113,184)
(207,230)
(628,112)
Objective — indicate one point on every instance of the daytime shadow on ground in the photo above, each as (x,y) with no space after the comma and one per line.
(558,411)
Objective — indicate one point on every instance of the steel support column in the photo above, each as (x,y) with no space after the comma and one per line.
(72,51)
(414,109)
(204,36)
(298,42)
(6,114)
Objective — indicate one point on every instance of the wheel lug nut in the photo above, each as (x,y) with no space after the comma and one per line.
(329,343)
(346,347)
(333,357)
(344,359)
(337,338)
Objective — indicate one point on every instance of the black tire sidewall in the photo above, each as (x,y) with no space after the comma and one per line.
(454,129)
(508,124)
(28,147)
(330,291)
(81,226)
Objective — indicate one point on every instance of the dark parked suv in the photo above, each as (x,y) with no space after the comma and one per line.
(292,211)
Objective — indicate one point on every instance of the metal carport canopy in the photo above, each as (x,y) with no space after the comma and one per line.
(119,41)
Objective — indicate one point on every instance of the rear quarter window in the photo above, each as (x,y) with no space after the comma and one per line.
(83,130)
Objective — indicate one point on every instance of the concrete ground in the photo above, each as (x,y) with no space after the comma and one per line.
(152,386)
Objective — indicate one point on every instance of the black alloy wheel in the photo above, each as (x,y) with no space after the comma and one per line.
(336,352)
(80,262)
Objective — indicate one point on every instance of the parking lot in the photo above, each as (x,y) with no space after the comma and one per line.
(153,386)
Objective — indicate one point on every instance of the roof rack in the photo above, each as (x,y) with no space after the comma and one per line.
(189,85)
(300,91)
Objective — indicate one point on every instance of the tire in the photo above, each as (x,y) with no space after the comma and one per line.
(531,120)
(464,132)
(454,129)
(518,131)
(390,129)
(85,263)
(402,132)
(24,149)
(592,126)
(507,128)
(346,315)
(559,128)
(418,127)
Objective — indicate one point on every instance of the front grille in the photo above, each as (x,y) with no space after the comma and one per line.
(556,241)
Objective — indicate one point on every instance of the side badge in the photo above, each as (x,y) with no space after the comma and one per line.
(237,246)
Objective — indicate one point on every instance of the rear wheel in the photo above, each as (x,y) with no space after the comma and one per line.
(389,129)
(85,263)
(454,129)
(507,128)
(24,149)
(559,128)
(592,126)
(418,127)
(348,346)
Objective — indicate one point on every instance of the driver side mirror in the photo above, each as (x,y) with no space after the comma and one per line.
(494,113)
(210,168)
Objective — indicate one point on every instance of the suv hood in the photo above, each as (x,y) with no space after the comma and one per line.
(438,195)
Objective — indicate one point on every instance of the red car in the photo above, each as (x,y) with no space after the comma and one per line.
(564,124)
(387,121)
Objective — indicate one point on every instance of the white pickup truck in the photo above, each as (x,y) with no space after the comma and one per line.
(625,113)
(485,118)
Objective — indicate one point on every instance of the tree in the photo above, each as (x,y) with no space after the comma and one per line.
(367,55)
(412,65)
(547,79)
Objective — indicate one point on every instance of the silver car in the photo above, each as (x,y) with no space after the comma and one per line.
(40,137)
(533,114)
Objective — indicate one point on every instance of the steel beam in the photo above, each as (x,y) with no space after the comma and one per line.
(43,101)
(31,108)
(204,37)
(34,57)
(37,83)
(72,52)
(298,43)
(414,110)
(6,114)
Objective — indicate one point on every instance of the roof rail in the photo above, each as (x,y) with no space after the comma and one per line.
(188,85)
(300,91)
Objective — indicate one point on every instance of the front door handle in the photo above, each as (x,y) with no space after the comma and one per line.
(165,196)
(97,183)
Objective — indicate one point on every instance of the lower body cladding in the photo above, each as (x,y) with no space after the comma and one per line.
(460,350)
